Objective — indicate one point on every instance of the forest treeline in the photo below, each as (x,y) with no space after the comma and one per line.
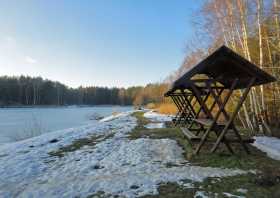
(25,90)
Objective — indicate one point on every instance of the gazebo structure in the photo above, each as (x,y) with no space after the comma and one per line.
(202,93)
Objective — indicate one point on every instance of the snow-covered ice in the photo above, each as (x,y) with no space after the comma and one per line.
(269,145)
(116,165)
(156,117)
(23,123)
(155,125)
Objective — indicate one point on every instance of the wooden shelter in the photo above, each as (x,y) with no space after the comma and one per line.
(202,93)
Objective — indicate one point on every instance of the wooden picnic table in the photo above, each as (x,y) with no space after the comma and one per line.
(202,102)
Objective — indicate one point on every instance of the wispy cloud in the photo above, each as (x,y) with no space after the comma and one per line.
(30,60)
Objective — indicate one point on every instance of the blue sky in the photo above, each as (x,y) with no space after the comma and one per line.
(95,42)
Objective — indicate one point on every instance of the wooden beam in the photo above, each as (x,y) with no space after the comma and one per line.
(216,117)
(242,99)
(227,117)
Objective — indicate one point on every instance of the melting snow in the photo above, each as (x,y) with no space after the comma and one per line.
(116,165)
(269,145)
(156,117)
(115,116)
(242,190)
(200,194)
(231,195)
(155,125)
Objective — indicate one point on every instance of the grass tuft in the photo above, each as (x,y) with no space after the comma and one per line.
(79,143)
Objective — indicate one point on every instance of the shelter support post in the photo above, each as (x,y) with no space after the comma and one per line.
(230,121)
(209,115)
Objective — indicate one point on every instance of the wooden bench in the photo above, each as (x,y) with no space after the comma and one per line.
(208,122)
(247,141)
(189,135)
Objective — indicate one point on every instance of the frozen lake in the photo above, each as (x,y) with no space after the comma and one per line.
(22,123)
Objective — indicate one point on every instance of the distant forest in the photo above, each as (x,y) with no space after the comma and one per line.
(25,90)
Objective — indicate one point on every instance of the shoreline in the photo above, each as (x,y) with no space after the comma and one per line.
(97,158)
(119,156)
(61,106)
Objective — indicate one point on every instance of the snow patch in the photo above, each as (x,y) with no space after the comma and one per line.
(155,125)
(269,145)
(115,116)
(117,165)
(156,117)
(200,194)
(231,195)
(242,190)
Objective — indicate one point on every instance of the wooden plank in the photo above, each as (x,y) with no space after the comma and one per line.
(208,122)
(181,111)
(232,141)
(205,122)
(189,134)
(201,101)
(215,102)
(248,141)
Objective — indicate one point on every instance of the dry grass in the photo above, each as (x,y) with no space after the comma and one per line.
(151,106)
(167,108)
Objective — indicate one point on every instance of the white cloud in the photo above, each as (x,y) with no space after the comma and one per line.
(30,60)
